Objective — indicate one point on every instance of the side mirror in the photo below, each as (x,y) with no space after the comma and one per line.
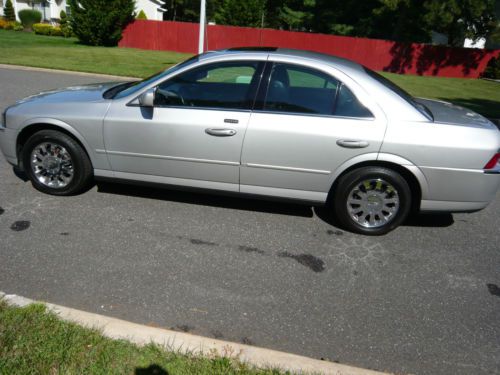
(147,98)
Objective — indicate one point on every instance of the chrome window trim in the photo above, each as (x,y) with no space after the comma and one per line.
(314,115)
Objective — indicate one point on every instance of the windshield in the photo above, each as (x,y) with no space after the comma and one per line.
(128,88)
(399,91)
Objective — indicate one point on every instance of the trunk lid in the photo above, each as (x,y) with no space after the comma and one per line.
(447,113)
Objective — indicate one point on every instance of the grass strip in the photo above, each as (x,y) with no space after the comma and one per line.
(35,341)
(21,48)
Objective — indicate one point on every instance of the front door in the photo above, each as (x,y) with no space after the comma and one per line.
(193,136)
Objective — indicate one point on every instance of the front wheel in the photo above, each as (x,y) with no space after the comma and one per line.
(56,164)
(372,200)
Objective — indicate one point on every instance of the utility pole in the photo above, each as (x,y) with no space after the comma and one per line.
(201,44)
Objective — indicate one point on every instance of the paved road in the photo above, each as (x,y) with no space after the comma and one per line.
(424,299)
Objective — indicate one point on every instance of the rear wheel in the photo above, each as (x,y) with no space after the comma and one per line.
(56,164)
(372,200)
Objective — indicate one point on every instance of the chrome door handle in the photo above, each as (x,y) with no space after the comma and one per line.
(350,143)
(220,132)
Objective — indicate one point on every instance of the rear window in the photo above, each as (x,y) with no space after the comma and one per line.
(400,92)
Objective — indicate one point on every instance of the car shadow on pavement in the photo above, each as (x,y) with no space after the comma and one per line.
(20,174)
(203,198)
(414,220)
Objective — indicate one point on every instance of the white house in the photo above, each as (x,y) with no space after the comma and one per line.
(51,9)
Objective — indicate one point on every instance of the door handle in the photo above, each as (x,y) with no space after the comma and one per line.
(350,143)
(220,132)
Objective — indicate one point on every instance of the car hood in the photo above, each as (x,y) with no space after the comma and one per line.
(84,93)
(449,113)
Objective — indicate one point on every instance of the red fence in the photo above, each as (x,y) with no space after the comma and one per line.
(376,54)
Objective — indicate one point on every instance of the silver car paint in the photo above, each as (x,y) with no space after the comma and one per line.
(284,155)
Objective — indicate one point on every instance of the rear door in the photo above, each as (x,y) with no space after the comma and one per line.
(308,124)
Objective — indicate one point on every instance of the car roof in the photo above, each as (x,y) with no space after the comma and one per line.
(276,51)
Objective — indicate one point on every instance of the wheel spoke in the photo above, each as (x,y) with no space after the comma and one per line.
(373,203)
(52,165)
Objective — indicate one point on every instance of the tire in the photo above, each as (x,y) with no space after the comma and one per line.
(372,200)
(56,164)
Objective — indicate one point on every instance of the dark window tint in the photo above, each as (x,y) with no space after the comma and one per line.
(297,89)
(347,105)
(221,85)
(300,90)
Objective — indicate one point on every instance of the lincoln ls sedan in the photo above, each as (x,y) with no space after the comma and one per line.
(265,122)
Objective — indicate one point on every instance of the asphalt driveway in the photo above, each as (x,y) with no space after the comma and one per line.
(424,299)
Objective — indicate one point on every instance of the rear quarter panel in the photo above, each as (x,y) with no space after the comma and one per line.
(451,157)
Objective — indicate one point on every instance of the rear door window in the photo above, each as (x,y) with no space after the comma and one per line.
(302,90)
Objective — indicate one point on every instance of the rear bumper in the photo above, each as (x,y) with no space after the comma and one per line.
(8,144)
(459,190)
(449,206)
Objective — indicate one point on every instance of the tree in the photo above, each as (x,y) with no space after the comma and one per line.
(459,19)
(247,13)
(185,10)
(100,22)
(64,24)
(9,12)
(400,20)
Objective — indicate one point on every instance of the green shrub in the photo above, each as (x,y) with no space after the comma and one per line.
(56,31)
(64,24)
(142,15)
(29,17)
(8,11)
(493,69)
(13,25)
(46,29)
(100,23)
(42,28)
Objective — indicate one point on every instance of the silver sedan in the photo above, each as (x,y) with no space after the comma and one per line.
(264,122)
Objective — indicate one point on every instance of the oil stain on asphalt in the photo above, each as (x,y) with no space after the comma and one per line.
(19,226)
(195,241)
(184,328)
(249,249)
(493,289)
(247,341)
(337,232)
(1,211)
(308,260)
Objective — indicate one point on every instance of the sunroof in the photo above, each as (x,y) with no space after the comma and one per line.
(257,49)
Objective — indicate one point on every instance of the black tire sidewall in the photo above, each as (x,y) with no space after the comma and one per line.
(351,179)
(81,163)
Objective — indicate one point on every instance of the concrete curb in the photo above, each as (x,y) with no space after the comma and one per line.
(71,72)
(187,343)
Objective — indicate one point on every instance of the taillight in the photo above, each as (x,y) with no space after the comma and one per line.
(493,162)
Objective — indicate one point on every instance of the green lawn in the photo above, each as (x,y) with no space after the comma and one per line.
(54,52)
(22,48)
(33,341)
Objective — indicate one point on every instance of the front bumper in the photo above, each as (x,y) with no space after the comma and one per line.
(8,144)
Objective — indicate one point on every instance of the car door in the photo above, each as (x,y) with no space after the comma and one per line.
(194,133)
(309,123)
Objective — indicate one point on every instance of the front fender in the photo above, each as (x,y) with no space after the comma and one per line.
(96,160)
